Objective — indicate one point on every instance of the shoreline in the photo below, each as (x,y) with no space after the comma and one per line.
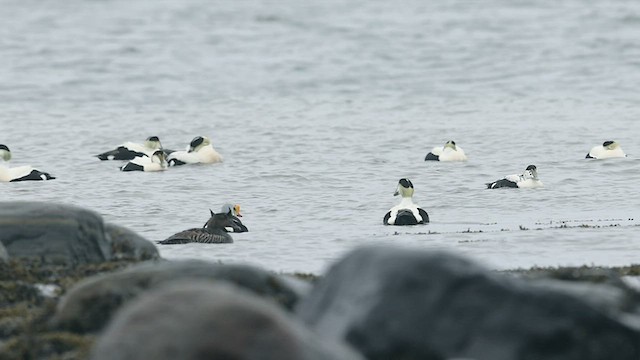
(31,291)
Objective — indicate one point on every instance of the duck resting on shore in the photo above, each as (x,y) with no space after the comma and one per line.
(406,212)
(608,149)
(213,232)
(528,179)
(156,162)
(199,151)
(131,150)
(448,152)
(19,173)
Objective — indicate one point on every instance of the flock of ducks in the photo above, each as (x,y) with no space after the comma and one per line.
(148,156)
(408,213)
(151,156)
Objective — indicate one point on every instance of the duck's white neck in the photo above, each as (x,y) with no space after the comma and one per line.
(406,201)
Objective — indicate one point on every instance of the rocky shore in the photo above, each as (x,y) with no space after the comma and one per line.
(73,287)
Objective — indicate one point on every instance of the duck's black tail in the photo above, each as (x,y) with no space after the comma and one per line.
(405,217)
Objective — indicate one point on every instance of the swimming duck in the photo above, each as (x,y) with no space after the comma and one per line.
(213,232)
(19,173)
(199,151)
(448,152)
(608,149)
(157,162)
(528,179)
(130,150)
(405,213)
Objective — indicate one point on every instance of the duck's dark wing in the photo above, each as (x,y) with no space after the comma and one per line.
(120,153)
(175,162)
(238,226)
(424,215)
(385,220)
(34,175)
(432,156)
(502,183)
(131,167)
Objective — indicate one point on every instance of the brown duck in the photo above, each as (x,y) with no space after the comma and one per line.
(214,231)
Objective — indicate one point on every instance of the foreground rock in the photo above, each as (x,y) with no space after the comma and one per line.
(53,233)
(405,304)
(203,321)
(128,245)
(4,256)
(89,305)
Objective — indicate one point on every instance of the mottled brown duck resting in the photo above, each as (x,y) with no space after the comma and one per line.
(214,231)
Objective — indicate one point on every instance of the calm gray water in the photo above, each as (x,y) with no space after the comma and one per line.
(319,108)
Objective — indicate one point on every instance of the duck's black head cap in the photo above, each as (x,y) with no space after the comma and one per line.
(153,138)
(406,183)
(4,147)
(532,167)
(453,142)
(607,143)
(197,141)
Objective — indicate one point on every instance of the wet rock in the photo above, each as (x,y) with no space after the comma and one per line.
(128,245)
(90,304)
(399,303)
(52,233)
(199,320)
(4,256)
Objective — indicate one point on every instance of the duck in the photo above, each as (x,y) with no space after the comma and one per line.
(19,173)
(131,150)
(406,212)
(214,231)
(528,179)
(448,152)
(156,162)
(608,149)
(199,151)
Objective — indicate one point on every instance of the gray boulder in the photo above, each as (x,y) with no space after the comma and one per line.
(198,321)
(52,233)
(128,245)
(91,303)
(405,304)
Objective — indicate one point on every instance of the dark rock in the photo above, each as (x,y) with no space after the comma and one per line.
(198,320)
(299,286)
(128,245)
(615,299)
(4,256)
(400,303)
(52,233)
(89,305)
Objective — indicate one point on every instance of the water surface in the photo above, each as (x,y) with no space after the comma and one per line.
(320,108)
